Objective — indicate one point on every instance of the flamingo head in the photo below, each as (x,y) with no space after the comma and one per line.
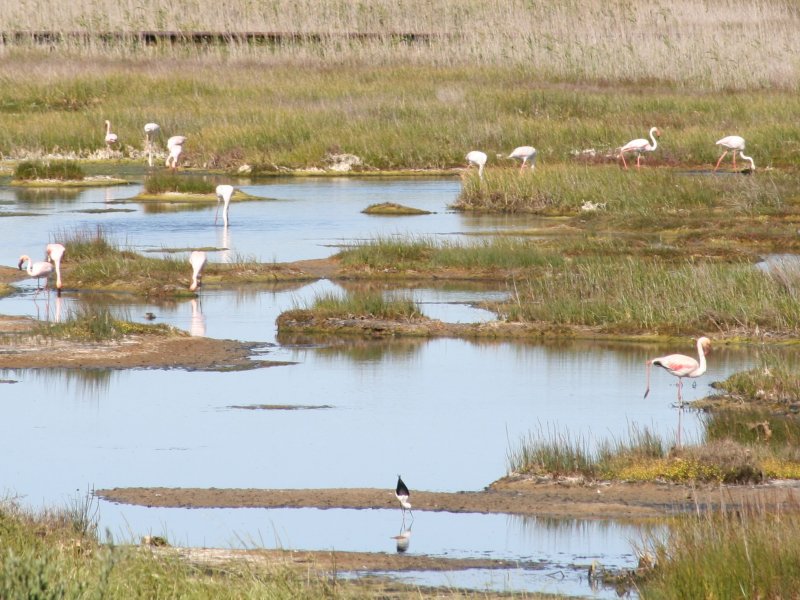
(22,260)
(656,132)
(705,345)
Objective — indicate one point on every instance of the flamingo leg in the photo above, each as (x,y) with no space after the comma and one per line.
(638,160)
(720,160)
(680,425)
(622,154)
(734,160)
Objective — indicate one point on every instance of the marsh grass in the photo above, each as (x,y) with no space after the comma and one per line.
(773,384)
(645,456)
(362,304)
(162,183)
(31,170)
(96,324)
(747,553)
(44,555)
(651,196)
(630,295)
(724,46)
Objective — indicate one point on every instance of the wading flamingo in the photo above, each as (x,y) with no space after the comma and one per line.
(151,131)
(681,365)
(198,260)
(525,153)
(224,193)
(38,270)
(735,143)
(175,147)
(111,138)
(55,252)
(639,146)
(402,495)
(476,157)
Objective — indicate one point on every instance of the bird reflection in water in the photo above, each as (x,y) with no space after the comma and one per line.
(198,324)
(224,243)
(404,537)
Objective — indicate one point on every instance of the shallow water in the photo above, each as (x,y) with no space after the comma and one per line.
(444,413)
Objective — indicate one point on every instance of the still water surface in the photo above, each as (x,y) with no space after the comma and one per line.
(444,413)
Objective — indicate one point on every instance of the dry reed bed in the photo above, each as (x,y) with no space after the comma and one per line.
(720,44)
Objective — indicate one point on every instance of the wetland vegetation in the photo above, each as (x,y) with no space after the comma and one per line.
(415,85)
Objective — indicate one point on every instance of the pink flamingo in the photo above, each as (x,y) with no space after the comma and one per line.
(224,193)
(39,270)
(681,365)
(55,252)
(526,153)
(111,138)
(175,147)
(198,260)
(476,157)
(735,143)
(639,146)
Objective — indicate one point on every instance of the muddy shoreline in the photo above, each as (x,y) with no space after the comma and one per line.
(520,496)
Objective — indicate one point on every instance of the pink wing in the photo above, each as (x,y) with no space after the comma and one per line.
(679,365)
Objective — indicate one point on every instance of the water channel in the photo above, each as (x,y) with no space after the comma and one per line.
(444,413)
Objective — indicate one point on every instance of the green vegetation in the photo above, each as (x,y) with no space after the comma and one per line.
(56,554)
(63,170)
(739,554)
(95,324)
(646,457)
(774,385)
(162,183)
(356,305)
(390,208)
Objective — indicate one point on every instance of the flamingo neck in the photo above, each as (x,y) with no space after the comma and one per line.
(745,157)
(653,139)
(701,358)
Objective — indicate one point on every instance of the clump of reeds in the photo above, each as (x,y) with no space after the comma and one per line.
(643,457)
(362,304)
(91,323)
(62,170)
(162,183)
(747,553)
(775,383)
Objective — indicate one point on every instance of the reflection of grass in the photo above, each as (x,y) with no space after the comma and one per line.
(748,553)
(96,324)
(30,170)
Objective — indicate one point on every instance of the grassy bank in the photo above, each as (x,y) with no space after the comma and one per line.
(97,324)
(56,554)
(393,117)
(742,554)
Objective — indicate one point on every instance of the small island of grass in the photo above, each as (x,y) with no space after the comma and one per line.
(58,173)
(172,187)
(393,209)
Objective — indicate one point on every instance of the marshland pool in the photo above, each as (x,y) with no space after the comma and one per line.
(444,413)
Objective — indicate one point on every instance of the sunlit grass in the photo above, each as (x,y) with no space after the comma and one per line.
(30,170)
(89,323)
(748,553)
(162,183)
(56,554)
(359,305)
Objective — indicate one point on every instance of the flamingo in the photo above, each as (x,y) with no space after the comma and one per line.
(476,157)
(151,130)
(402,495)
(175,147)
(111,138)
(198,260)
(639,146)
(55,252)
(682,366)
(38,270)
(525,153)
(735,143)
(224,193)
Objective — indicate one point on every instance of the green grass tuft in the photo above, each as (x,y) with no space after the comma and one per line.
(162,183)
(62,170)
